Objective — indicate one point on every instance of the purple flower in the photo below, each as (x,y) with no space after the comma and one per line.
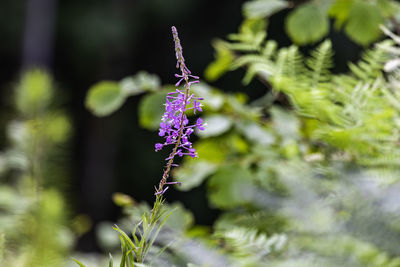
(175,127)
(199,124)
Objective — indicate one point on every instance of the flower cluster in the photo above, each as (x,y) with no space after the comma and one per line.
(174,126)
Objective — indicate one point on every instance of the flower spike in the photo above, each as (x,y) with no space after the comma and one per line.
(174,126)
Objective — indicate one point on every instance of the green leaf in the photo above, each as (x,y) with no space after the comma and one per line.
(79,263)
(230,187)
(212,149)
(252,32)
(104,98)
(388,8)
(151,109)
(340,11)
(256,133)
(110,263)
(139,83)
(193,173)
(307,24)
(122,200)
(126,239)
(263,8)
(363,23)
(216,125)
(285,123)
(34,92)
(180,218)
(223,59)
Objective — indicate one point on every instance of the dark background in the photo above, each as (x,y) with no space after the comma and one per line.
(83,42)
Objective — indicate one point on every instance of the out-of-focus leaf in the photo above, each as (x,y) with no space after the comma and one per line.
(263,8)
(230,186)
(256,133)
(34,92)
(57,127)
(110,263)
(139,83)
(363,22)
(151,109)
(212,150)
(388,8)
(122,200)
(307,24)
(251,32)
(216,125)
(193,173)
(340,11)
(285,123)
(106,236)
(104,98)
(223,59)
(180,218)
(79,263)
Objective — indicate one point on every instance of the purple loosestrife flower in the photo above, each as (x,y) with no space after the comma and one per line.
(175,126)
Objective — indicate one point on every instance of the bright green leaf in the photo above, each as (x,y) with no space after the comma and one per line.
(104,98)
(388,8)
(363,23)
(251,31)
(212,149)
(307,24)
(79,263)
(263,8)
(340,11)
(34,92)
(223,59)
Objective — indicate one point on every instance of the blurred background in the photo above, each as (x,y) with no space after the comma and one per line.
(80,43)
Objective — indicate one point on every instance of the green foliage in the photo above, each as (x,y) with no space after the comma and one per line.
(34,93)
(106,97)
(304,176)
(247,243)
(33,223)
(224,58)
(263,8)
(363,22)
(308,22)
(307,171)
(230,186)
(349,110)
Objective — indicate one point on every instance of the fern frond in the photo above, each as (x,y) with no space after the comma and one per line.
(247,242)
(372,62)
(248,60)
(269,49)
(319,63)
